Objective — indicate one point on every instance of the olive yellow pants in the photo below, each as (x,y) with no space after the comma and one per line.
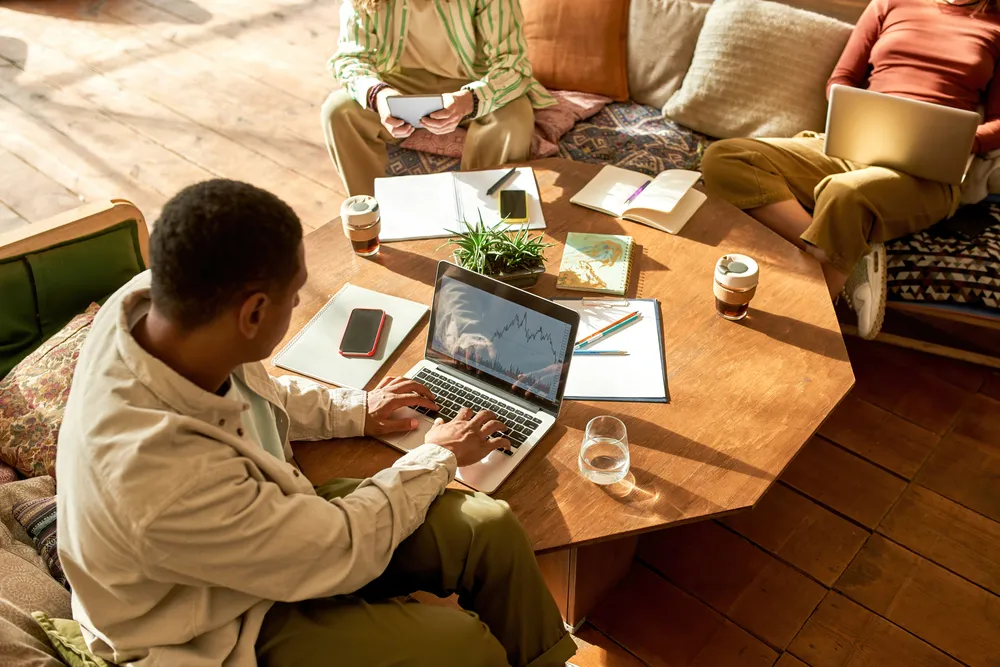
(357,141)
(853,205)
(469,544)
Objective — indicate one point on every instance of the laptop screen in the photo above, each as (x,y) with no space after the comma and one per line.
(504,336)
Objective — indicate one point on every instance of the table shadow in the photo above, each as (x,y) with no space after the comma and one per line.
(790,331)
(646,492)
(405,263)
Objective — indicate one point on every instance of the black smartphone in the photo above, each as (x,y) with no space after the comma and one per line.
(364,329)
(514,205)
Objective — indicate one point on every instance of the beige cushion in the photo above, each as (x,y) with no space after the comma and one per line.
(759,70)
(26,585)
(661,39)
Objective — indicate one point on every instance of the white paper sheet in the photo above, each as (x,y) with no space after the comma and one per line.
(640,376)
(315,351)
(428,206)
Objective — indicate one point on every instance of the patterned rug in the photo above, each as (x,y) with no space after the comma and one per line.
(955,263)
(630,136)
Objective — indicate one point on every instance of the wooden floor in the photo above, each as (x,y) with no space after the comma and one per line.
(881,543)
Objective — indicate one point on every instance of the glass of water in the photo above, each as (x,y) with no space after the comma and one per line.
(604,455)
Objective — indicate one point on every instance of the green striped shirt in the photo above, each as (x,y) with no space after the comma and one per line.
(486,36)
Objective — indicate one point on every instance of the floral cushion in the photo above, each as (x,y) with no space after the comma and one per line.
(33,397)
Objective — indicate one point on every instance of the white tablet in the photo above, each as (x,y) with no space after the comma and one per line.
(411,108)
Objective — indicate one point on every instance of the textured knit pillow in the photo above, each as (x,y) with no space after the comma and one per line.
(33,398)
(759,70)
(578,44)
(39,518)
(661,38)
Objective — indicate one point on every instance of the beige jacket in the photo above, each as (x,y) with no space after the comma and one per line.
(177,533)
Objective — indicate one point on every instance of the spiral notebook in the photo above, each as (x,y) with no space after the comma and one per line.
(600,263)
(314,352)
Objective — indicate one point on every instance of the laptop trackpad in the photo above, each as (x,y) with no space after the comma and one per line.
(411,439)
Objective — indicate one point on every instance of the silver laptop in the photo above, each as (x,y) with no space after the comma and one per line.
(918,138)
(492,346)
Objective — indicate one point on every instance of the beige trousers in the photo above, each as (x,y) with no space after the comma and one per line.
(853,205)
(469,544)
(356,139)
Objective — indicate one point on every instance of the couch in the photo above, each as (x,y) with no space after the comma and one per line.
(50,272)
(943,283)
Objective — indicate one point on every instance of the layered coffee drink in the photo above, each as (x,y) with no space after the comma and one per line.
(735,285)
(362,224)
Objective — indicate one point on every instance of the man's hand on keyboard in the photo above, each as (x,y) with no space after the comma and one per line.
(390,395)
(469,438)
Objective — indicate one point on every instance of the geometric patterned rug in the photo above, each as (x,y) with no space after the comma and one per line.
(955,262)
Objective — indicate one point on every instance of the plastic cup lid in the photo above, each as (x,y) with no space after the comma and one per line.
(737,271)
(359,211)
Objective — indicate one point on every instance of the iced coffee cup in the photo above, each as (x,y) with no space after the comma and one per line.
(362,224)
(735,284)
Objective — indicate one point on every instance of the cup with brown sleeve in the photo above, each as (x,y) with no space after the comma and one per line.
(362,224)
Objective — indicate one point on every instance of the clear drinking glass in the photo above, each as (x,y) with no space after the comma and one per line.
(604,455)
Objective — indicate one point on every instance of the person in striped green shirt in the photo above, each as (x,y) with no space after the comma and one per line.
(473,52)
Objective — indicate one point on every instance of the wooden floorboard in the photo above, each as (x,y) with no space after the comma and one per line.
(802,533)
(29,193)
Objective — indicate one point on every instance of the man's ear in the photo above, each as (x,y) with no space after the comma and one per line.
(252,314)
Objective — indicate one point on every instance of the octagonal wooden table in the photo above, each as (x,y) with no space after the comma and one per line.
(745,397)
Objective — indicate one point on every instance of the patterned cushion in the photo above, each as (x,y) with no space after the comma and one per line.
(25,585)
(38,517)
(630,136)
(7,474)
(33,397)
(954,263)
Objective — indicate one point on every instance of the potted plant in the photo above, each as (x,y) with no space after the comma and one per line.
(515,258)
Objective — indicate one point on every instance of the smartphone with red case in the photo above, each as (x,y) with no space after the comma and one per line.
(364,329)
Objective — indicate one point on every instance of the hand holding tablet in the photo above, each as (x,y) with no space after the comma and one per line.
(411,109)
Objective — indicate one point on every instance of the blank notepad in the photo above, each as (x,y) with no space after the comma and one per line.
(641,376)
(315,351)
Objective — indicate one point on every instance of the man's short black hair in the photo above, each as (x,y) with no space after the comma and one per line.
(216,243)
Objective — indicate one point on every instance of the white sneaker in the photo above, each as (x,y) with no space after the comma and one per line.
(865,291)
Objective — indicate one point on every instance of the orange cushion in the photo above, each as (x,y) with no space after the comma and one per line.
(578,44)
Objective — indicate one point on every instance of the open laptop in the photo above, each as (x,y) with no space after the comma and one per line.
(492,346)
(917,138)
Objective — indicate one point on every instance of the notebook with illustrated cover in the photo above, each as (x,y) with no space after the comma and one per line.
(315,351)
(667,203)
(598,263)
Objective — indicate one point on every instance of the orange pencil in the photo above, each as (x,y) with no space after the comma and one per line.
(583,341)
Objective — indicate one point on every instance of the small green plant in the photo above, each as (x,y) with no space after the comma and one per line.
(494,250)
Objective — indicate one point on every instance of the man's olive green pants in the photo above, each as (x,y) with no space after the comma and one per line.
(469,544)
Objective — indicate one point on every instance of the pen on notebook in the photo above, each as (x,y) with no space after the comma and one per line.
(604,330)
(637,192)
(601,353)
(503,179)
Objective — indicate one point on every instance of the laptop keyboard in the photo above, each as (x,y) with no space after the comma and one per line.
(452,396)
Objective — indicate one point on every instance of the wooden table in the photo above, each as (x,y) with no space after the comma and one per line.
(745,396)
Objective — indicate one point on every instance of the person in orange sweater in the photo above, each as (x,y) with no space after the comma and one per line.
(841,212)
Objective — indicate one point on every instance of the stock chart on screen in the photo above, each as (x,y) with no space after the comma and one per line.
(519,346)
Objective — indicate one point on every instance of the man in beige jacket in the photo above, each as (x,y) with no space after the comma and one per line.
(189,538)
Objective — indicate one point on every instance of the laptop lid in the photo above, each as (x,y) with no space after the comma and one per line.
(507,338)
(918,138)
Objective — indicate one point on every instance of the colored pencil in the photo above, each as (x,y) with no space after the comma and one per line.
(601,353)
(600,332)
(638,192)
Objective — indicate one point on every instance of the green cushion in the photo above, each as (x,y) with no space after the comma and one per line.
(51,286)
(67,639)
(19,329)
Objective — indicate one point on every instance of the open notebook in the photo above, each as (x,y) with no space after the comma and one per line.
(428,206)
(667,203)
